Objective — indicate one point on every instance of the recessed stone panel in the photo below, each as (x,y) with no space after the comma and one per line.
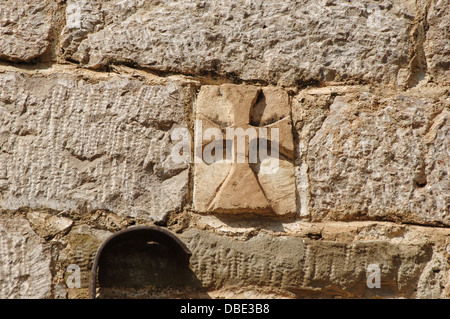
(241,180)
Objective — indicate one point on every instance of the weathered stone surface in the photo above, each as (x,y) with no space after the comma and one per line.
(82,244)
(247,182)
(253,40)
(359,93)
(24,262)
(374,155)
(303,267)
(437,44)
(48,225)
(69,143)
(25,28)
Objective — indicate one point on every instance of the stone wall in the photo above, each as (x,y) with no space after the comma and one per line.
(99,100)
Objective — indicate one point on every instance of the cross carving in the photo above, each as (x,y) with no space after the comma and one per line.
(238,187)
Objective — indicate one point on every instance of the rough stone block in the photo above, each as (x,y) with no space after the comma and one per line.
(272,41)
(25,28)
(374,155)
(437,44)
(309,268)
(69,143)
(25,262)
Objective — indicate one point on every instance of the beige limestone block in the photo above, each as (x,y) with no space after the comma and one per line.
(227,185)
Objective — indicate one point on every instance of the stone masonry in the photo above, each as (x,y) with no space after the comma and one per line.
(345,110)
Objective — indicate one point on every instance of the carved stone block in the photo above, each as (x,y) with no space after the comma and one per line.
(247,179)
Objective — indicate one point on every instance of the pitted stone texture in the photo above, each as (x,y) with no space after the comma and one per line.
(313,268)
(25,262)
(373,156)
(437,44)
(262,185)
(101,143)
(25,28)
(272,41)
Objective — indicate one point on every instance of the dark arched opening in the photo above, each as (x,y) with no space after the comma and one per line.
(139,257)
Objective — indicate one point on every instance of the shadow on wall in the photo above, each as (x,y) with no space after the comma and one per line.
(144,262)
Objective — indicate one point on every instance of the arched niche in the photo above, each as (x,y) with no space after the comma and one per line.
(141,256)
